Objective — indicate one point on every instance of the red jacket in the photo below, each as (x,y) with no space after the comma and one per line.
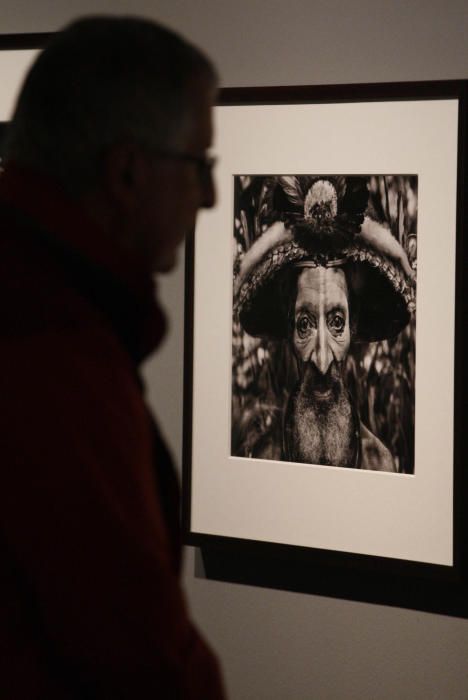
(90,553)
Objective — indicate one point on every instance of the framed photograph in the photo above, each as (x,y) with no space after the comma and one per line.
(324,355)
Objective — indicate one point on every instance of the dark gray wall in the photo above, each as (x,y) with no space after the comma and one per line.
(276,645)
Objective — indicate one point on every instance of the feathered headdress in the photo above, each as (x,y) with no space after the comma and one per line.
(324,213)
(323,220)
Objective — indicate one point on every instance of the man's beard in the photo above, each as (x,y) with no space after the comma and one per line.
(319,422)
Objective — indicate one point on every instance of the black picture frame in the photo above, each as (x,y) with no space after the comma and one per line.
(377,578)
(24,40)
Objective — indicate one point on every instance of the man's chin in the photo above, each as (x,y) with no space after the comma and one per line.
(165,263)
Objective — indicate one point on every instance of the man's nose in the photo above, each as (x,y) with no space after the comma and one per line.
(322,355)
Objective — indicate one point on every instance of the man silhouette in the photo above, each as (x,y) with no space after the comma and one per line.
(106,165)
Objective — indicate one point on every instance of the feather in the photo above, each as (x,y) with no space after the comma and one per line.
(276,235)
(292,189)
(380,238)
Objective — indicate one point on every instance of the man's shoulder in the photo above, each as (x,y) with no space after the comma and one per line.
(68,399)
(70,367)
(82,357)
(375,456)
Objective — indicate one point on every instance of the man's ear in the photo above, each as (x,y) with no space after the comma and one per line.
(126,172)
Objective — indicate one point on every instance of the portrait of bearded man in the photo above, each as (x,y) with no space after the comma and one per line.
(322,276)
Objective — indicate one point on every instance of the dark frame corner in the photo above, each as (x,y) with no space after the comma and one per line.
(32,40)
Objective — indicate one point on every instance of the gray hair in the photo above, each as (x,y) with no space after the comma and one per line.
(99,81)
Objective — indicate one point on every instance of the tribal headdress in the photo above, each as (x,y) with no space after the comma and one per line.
(323,220)
(324,213)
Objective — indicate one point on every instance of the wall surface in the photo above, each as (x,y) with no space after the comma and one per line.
(276,645)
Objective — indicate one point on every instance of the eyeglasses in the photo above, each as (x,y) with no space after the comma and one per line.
(205,164)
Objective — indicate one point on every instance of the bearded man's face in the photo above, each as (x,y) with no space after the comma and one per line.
(319,426)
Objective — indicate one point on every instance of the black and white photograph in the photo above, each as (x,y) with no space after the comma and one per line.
(324,319)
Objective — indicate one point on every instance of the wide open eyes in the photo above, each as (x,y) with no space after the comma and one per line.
(306,323)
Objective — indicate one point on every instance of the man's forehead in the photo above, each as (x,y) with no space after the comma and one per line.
(320,279)
(322,285)
(202,96)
